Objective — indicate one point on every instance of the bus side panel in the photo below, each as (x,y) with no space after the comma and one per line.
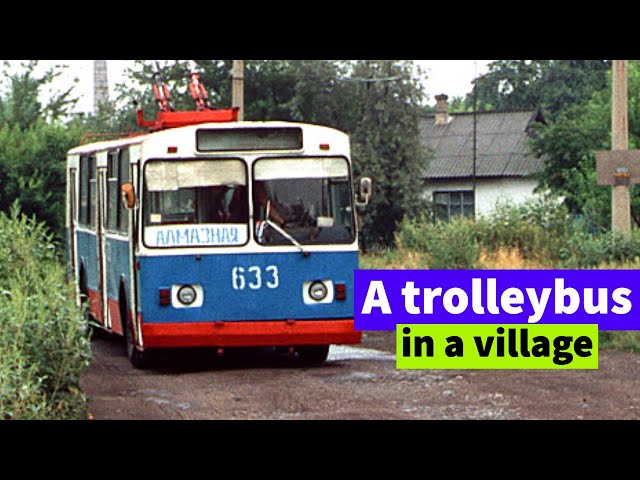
(243,287)
(88,261)
(117,274)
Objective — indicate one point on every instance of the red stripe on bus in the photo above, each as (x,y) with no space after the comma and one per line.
(114,311)
(250,334)
(94,303)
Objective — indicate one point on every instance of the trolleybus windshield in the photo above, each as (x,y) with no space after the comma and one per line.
(310,199)
(195,203)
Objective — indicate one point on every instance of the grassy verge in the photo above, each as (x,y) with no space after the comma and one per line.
(44,346)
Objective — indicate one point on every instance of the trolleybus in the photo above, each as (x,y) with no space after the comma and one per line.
(212,232)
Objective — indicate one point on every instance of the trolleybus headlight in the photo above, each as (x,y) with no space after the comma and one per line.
(318,291)
(187,295)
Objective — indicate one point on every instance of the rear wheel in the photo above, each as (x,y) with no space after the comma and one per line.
(84,294)
(90,325)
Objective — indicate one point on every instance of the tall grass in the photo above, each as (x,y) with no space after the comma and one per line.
(44,345)
(536,234)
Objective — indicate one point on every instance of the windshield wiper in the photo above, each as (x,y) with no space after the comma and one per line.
(281,231)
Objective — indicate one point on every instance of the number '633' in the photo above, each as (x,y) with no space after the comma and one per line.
(254,277)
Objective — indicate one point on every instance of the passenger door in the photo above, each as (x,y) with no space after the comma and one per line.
(101,192)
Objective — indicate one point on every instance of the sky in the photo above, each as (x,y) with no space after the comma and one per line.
(451,77)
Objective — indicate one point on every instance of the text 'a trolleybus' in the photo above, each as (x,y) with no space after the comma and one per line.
(218,234)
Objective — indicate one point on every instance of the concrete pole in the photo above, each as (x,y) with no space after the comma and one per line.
(100,84)
(237,87)
(620,198)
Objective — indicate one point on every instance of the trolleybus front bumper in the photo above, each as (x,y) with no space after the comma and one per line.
(250,333)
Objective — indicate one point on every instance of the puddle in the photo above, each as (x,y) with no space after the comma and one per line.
(169,403)
(162,398)
(366,376)
(346,352)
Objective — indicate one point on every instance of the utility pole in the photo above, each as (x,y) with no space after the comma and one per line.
(237,88)
(620,198)
(619,167)
(475,137)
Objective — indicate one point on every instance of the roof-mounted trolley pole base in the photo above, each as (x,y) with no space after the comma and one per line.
(167,117)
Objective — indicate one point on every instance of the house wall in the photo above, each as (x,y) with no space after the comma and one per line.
(488,191)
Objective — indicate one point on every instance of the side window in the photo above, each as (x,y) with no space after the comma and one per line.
(73,196)
(83,212)
(123,177)
(91,191)
(113,195)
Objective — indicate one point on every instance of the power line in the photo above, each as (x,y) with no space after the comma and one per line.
(369,80)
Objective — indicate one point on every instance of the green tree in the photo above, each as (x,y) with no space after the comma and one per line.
(386,146)
(269,89)
(322,94)
(569,145)
(32,162)
(33,143)
(551,85)
(20,104)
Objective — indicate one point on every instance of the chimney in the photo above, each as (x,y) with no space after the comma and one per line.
(442,115)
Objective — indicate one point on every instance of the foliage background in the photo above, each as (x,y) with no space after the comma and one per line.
(377,102)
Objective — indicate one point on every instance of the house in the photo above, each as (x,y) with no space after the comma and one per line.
(505,166)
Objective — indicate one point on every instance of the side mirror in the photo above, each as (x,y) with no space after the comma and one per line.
(128,195)
(365,191)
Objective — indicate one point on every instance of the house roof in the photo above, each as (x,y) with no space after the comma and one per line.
(502,144)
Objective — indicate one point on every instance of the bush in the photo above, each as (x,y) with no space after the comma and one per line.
(584,250)
(44,344)
(33,168)
(541,232)
(452,245)
(536,229)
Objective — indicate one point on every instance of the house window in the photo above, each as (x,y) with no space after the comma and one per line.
(450,204)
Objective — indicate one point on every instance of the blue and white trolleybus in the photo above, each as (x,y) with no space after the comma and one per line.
(210,232)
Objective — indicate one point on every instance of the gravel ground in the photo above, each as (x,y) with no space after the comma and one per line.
(355,383)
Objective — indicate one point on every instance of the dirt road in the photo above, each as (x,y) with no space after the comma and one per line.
(355,383)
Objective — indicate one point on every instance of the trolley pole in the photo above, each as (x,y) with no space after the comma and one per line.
(237,87)
(620,199)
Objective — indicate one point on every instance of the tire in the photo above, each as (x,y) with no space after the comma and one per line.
(139,359)
(83,294)
(312,355)
(89,319)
